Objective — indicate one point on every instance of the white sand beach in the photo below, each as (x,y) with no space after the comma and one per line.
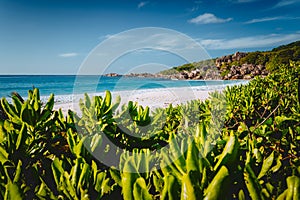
(153,98)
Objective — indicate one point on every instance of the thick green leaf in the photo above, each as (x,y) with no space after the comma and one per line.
(84,177)
(17,103)
(13,192)
(140,190)
(177,156)
(22,136)
(229,153)
(192,160)
(267,164)
(129,176)
(102,184)
(57,171)
(71,140)
(3,155)
(50,103)
(26,114)
(10,111)
(293,190)
(252,183)
(116,176)
(76,171)
(18,173)
(218,187)
(171,188)
(188,188)
(107,100)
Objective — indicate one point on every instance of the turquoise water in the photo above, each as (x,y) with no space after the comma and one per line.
(65,85)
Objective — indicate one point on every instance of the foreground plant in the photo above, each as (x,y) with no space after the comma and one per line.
(243,143)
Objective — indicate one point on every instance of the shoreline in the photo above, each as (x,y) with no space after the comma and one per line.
(153,98)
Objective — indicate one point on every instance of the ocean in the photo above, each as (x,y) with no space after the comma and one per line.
(64,86)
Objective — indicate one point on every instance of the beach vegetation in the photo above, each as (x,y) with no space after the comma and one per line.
(242,143)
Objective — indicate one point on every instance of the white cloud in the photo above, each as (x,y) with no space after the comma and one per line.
(265,19)
(283,3)
(112,37)
(67,55)
(250,42)
(208,18)
(142,4)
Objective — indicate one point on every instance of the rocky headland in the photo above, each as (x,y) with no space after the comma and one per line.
(229,67)
(226,68)
(239,65)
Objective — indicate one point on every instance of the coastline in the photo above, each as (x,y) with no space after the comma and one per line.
(153,98)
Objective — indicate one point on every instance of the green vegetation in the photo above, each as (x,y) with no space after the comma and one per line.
(188,67)
(240,144)
(275,58)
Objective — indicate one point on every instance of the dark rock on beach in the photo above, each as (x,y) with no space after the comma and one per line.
(112,75)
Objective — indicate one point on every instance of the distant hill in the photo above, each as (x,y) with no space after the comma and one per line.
(188,67)
(281,55)
(288,46)
(241,65)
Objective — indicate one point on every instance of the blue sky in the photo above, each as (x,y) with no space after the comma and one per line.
(55,36)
